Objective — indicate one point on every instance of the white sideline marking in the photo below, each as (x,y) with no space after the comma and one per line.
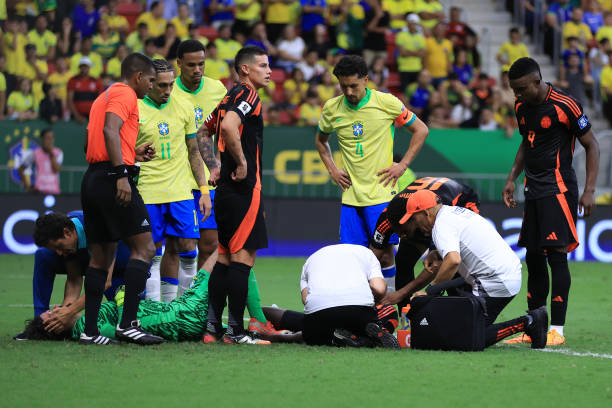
(564,351)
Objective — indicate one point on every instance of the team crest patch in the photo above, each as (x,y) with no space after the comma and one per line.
(164,128)
(357,129)
(199,115)
(583,122)
(545,122)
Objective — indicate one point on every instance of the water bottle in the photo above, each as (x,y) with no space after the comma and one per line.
(403,333)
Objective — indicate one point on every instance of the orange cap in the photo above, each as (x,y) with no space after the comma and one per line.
(418,201)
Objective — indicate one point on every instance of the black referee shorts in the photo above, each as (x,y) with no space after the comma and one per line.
(105,220)
(319,326)
(550,222)
(240,220)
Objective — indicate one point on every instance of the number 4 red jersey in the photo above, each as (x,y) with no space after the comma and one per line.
(549,132)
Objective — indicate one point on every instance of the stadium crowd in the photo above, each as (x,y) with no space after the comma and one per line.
(56,56)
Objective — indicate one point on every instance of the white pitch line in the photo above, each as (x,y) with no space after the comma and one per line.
(564,351)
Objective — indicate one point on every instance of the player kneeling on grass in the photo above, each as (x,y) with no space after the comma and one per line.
(469,245)
(63,250)
(339,286)
(183,319)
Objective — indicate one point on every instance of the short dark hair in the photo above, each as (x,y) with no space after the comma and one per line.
(351,65)
(44,132)
(134,63)
(51,227)
(523,66)
(154,5)
(142,25)
(247,54)
(483,75)
(161,65)
(35,330)
(514,30)
(150,40)
(189,46)
(46,87)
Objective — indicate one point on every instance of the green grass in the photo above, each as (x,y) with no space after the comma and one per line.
(36,374)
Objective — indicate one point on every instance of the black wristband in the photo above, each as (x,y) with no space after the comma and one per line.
(118,172)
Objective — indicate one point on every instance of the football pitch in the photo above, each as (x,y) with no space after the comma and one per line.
(65,374)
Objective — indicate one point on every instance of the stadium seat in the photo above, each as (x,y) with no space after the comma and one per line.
(393,82)
(278,76)
(209,32)
(285,118)
(279,93)
(131,11)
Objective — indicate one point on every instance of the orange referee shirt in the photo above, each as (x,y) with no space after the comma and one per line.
(121,100)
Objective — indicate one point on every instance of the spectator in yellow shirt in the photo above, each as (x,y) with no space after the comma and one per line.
(605,31)
(431,13)
(181,21)
(606,88)
(411,49)
(278,15)
(398,9)
(135,41)
(21,104)
(116,22)
(154,18)
(105,42)
(512,50)
(326,89)
(59,79)
(215,67)
(96,67)
(36,70)
(310,110)
(438,55)
(247,14)
(113,67)
(576,28)
(14,43)
(43,39)
(295,88)
(227,47)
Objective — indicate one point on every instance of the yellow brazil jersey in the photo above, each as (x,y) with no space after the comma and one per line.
(182,27)
(29,72)
(326,92)
(60,81)
(398,8)
(421,6)
(512,52)
(156,26)
(410,42)
(216,69)
(278,13)
(266,93)
(603,32)
(42,42)
(15,56)
(309,114)
(291,86)
(113,68)
(95,70)
(117,22)
(365,136)
(106,48)
(134,43)
(21,103)
(2,83)
(168,177)
(580,31)
(202,101)
(606,82)
(436,53)
(251,13)
(227,49)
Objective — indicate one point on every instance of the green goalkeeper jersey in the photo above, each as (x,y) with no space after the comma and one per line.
(182,319)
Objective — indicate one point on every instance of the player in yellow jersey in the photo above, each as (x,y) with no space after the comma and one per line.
(166,183)
(203,94)
(364,122)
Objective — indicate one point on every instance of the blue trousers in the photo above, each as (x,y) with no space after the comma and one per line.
(48,264)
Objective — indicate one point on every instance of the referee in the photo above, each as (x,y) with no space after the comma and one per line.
(112,206)
(549,121)
(238,208)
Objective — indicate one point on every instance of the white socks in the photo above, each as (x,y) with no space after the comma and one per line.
(188,265)
(153,283)
(559,329)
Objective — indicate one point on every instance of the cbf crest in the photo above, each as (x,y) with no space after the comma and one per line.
(358,129)
(164,128)
(199,114)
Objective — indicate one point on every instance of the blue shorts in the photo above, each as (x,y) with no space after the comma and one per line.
(178,219)
(210,222)
(357,224)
